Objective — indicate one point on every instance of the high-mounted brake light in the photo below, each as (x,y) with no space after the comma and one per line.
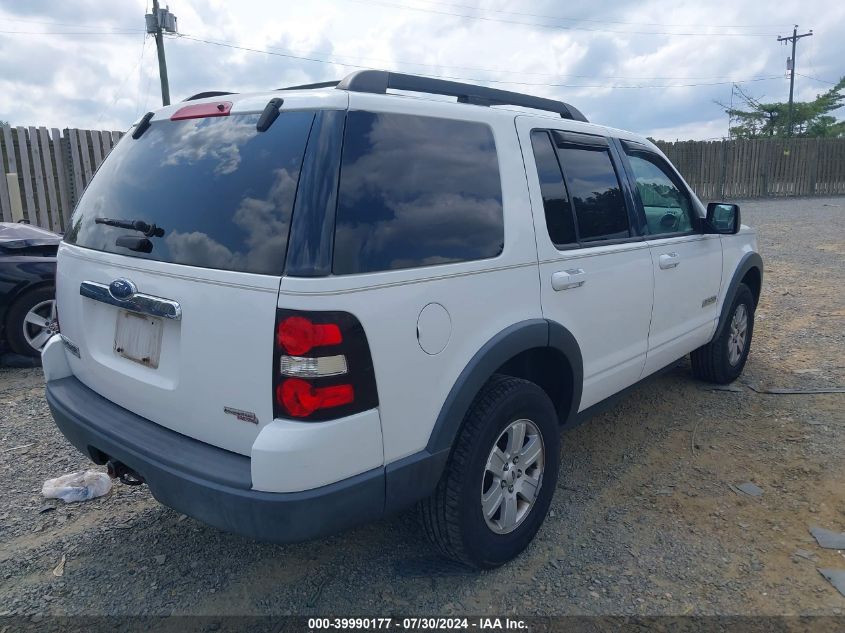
(301,398)
(202,110)
(298,335)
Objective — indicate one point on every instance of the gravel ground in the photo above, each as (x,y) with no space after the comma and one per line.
(644,520)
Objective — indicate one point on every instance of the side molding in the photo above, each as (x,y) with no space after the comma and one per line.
(414,477)
(748,261)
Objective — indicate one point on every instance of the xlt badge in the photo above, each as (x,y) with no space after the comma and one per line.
(245,416)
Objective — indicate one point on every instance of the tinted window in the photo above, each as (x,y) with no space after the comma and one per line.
(596,194)
(667,208)
(559,221)
(416,191)
(221,191)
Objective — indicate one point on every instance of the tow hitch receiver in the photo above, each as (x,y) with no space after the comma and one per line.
(119,470)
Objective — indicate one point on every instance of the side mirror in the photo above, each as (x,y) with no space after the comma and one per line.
(723,217)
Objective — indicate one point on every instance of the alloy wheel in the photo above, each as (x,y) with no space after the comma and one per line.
(512,476)
(40,323)
(738,334)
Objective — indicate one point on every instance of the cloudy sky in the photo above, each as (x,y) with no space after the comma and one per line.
(652,66)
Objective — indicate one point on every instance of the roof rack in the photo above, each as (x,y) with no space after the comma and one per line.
(322,84)
(379,81)
(210,93)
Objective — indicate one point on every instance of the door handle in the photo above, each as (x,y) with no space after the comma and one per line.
(668,260)
(566,279)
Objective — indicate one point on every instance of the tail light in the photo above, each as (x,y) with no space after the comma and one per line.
(299,335)
(301,399)
(322,367)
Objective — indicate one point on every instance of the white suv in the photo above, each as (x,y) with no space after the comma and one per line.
(292,312)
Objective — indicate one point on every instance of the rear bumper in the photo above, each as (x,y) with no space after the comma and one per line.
(206,482)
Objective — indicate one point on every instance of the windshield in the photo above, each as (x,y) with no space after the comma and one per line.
(218,193)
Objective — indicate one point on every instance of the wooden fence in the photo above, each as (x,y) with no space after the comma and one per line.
(43,172)
(760,168)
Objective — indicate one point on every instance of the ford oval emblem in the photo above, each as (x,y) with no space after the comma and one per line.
(122,289)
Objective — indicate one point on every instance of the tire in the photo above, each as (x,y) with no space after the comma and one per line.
(722,360)
(37,300)
(452,517)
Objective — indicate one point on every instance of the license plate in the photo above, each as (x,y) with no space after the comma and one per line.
(138,338)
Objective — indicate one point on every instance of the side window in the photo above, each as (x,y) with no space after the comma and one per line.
(416,191)
(596,194)
(667,208)
(559,220)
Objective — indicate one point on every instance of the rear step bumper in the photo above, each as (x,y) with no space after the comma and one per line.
(206,482)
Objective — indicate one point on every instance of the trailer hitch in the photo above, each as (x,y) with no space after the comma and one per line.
(119,470)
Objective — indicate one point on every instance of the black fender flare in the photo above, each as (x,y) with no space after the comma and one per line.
(748,261)
(513,340)
(415,477)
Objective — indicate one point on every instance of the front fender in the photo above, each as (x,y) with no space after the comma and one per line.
(748,261)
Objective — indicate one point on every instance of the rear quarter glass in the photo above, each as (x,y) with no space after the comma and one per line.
(416,191)
(222,192)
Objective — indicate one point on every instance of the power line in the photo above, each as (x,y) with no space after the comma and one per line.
(472,79)
(71,32)
(52,23)
(147,92)
(456,78)
(480,9)
(330,58)
(824,81)
(367,63)
(141,74)
(600,21)
(409,63)
(119,90)
(554,26)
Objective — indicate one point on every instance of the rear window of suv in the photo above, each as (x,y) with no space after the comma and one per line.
(416,191)
(221,192)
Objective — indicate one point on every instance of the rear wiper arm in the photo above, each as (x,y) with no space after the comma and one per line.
(138,244)
(150,230)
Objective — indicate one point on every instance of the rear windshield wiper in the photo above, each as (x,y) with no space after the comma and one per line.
(133,243)
(150,230)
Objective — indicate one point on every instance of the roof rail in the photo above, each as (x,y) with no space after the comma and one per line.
(322,84)
(379,81)
(210,93)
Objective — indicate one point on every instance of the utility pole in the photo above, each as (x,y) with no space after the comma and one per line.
(794,39)
(158,22)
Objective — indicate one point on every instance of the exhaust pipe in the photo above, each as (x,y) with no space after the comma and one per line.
(119,470)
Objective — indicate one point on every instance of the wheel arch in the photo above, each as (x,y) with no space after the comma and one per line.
(754,280)
(531,349)
(750,272)
(534,349)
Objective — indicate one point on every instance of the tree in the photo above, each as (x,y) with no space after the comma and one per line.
(755,119)
(2,123)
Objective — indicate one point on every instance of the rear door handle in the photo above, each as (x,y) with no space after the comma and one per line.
(566,279)
(136,302)
(668,260)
